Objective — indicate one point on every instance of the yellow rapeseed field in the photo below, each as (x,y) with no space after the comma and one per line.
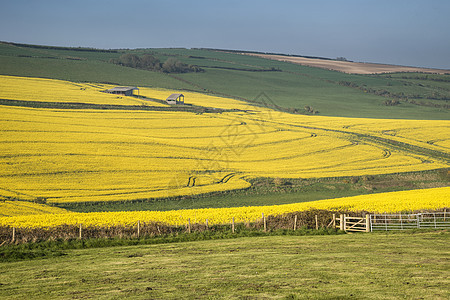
(113,155)
(53,90)
(436,198)
(22,208)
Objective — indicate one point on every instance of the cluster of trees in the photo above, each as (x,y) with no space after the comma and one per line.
(310,110)
(391,102)
(395,98)
(149,62)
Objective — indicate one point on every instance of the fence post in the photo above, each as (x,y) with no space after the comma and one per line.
(80,232)
(189,225)
(206,224)
(295,222)
(418,221)
(385,221)
(138,228)
(367,223)
(317,223)
(232,225)
(434,215)
(334,221)
(342,222)
(13,235)
(401,221)
(264,221)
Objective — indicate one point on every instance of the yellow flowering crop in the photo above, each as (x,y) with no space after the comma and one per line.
(22,208)
(115,155)
(52,90)
(377,203)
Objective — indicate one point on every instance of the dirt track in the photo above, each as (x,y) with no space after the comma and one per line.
(348,67)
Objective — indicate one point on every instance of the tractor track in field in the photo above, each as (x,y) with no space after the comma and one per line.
(386,143)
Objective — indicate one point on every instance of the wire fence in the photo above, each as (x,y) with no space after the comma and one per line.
(426,220)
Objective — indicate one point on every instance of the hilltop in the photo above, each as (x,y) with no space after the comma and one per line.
(350,67)
(286,86)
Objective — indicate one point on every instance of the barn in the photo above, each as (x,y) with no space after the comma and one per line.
(175,99)
(123,90)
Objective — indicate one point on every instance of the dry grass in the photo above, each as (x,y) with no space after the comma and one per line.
(349,67)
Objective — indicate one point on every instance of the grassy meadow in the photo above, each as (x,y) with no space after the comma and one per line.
(369,266)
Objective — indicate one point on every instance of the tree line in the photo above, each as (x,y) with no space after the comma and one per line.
(149,62)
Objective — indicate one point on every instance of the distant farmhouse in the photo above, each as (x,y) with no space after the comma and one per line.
(123,90)
(175,99)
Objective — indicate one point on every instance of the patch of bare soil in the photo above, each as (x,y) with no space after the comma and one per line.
(347,66)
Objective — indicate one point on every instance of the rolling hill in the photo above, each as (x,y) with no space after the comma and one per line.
(287,86)
(250,123)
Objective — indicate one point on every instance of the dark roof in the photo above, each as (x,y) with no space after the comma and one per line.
(122,89)
(174,96)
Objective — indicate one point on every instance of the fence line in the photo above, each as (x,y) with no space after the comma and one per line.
(324,219)
(426,220)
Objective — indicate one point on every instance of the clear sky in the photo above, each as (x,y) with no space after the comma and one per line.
(403,32)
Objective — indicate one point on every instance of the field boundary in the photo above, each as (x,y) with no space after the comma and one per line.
(427,220)
(305,220)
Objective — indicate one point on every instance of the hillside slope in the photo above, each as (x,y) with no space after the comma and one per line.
(284,85)
(85,155)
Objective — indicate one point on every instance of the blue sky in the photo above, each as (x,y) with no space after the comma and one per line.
(403,32)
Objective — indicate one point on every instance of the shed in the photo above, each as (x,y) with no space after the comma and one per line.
(123,90)
(175,99)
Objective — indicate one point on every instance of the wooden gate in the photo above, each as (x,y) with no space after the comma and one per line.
(354,224)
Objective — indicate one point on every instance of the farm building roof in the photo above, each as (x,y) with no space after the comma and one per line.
(122,89)
(174,96)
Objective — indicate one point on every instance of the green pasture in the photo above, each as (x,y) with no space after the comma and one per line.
(331,93)
(411,265)
(85,71)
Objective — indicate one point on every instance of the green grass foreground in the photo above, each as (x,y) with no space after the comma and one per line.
(359,266)
(56,247)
